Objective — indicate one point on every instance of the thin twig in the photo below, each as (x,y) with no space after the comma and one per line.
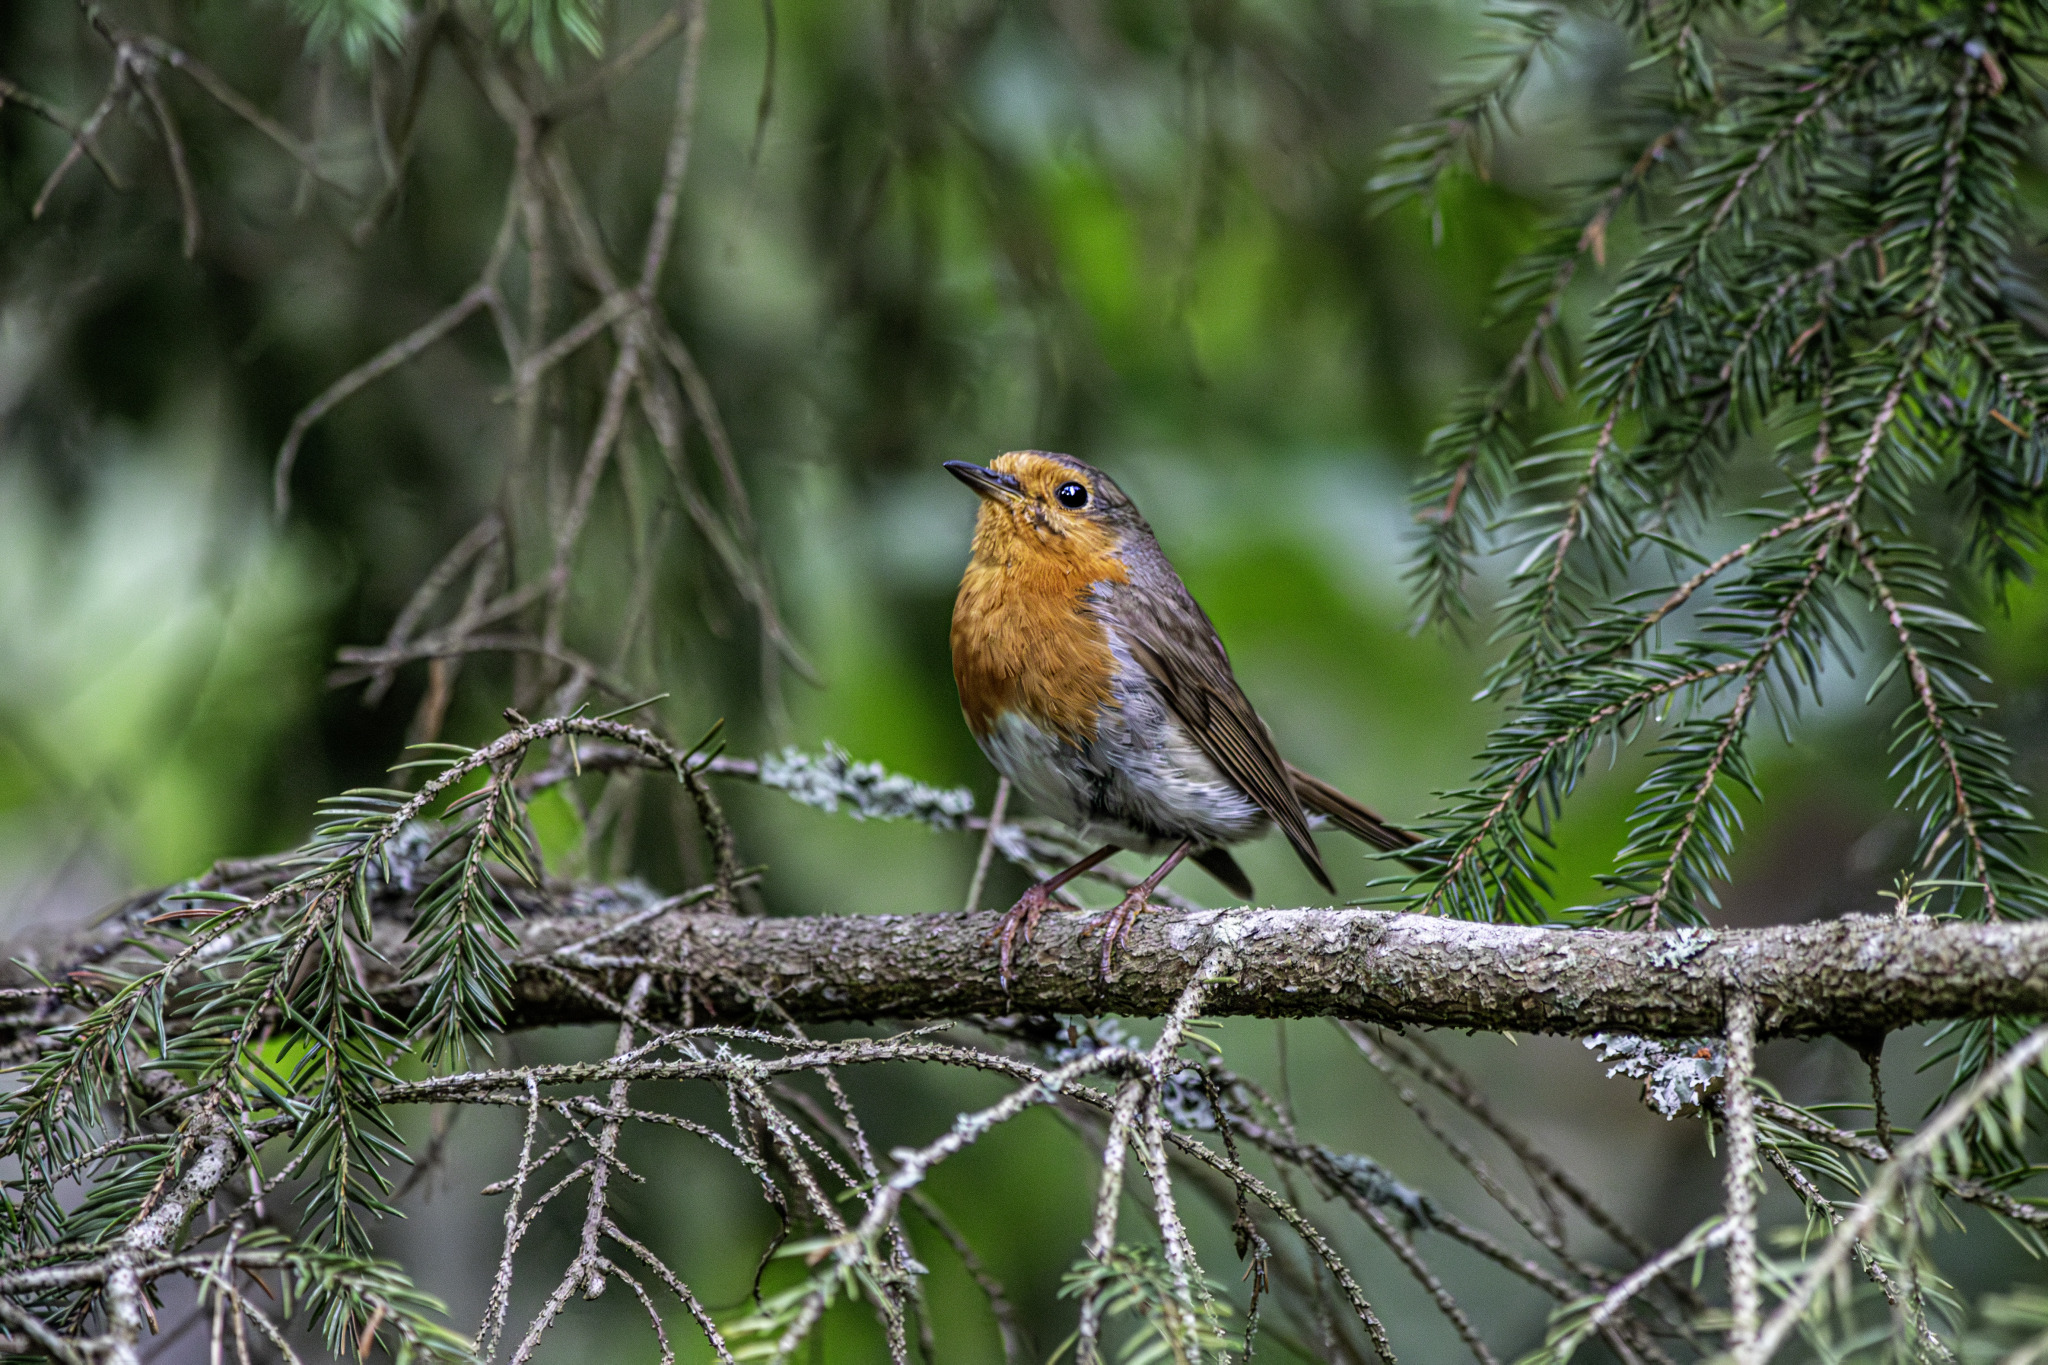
(1438,1071)
(1016,1344)
(1404,1250)
(607,1143)
(10,93)
(1973,1191)
(371,370)
(1903,1167)
(1739,1187)
(499,1302)
(240,106)
(82,141)
(608,77)
(1810,1194)
(1930,710)
(988,845)
(485,533)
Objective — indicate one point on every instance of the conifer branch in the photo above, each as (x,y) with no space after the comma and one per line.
(1860,976)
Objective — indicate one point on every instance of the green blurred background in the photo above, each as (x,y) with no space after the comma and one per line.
(1139,232)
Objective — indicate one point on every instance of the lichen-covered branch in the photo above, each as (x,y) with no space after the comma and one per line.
(1846,976)
(1855,976)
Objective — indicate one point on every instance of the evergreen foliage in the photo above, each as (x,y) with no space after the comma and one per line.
(1797,435)
(1786,428)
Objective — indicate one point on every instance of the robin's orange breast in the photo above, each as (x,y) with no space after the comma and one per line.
(1026,636)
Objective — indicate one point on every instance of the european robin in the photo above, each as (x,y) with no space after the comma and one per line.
(1095,683)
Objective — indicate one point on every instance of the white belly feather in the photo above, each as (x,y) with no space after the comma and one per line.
(1143,782)
(1040,765)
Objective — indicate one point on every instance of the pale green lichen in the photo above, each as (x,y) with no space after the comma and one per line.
(1677,1074)
(870,791)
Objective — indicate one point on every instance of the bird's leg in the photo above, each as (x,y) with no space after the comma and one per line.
(1035,902)
(1116,925)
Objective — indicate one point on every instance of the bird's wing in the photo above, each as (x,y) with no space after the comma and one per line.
(1170,637)
(1324,799)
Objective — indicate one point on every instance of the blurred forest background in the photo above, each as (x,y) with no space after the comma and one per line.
(911,232)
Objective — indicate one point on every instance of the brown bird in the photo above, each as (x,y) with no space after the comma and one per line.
(1094,682)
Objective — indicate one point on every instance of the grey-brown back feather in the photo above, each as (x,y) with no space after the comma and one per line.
(1171,638)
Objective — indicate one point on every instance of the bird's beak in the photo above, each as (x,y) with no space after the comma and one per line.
(986,482)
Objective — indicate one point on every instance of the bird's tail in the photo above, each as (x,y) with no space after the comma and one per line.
(1323,799)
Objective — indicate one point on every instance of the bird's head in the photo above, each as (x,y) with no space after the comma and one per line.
(1034,499)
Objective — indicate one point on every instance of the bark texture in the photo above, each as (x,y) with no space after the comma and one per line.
(1857,977)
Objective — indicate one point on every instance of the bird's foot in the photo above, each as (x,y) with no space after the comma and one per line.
(1116,924)
(1020,919)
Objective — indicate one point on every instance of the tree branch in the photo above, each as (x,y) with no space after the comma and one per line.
(1854,976)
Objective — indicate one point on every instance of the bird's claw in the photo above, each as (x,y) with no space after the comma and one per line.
(1116,925)
(1022,917)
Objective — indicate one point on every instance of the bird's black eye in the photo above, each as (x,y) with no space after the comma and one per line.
(1071,495)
